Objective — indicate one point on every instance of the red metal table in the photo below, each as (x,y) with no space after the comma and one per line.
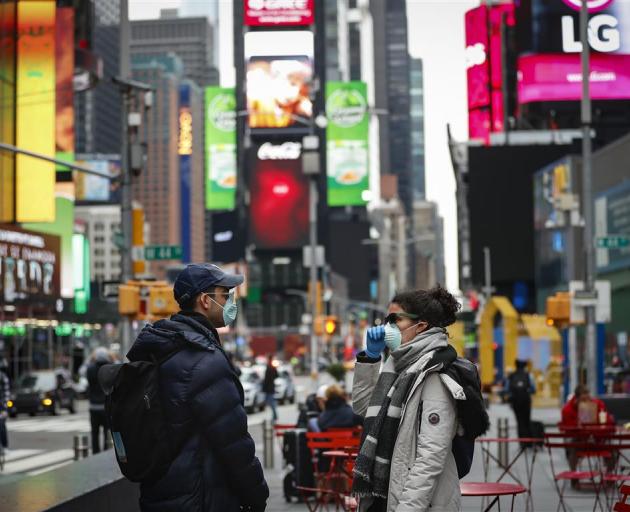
(507,470)
(489,489)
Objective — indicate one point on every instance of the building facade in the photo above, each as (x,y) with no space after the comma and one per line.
(428,245)
(189,38)
(416,94)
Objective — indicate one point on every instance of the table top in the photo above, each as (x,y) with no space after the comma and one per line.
(490,489)
(339,453)
(510,440)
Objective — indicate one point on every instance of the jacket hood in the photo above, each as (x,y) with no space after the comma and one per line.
(157,340)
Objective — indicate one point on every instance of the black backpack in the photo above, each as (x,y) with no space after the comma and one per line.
(144,448)
(471,413)
(519,386)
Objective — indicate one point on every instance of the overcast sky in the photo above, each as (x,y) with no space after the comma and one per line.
(436,34)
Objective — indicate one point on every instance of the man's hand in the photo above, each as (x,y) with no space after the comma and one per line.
(375,341)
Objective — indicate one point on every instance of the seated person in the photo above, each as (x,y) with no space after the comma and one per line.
(582,409)
(312,408)
(337,412)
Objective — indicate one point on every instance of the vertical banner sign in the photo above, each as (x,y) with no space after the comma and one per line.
(185,149)
(8,20)
(35,117)
(220,123)
(347,147)
(64,101)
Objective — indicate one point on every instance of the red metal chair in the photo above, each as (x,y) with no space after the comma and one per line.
(622,505)
(588,450)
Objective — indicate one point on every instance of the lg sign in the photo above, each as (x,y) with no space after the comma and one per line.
(603,32)
(593,5)
(278,12)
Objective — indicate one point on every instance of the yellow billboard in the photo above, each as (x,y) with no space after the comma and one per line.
(35,115)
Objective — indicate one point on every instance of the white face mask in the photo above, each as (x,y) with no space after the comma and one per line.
(393,335)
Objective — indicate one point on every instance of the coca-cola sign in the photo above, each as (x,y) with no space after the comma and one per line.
(260,13)
(285,151)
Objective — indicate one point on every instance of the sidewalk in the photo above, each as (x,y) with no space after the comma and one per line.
(544,496)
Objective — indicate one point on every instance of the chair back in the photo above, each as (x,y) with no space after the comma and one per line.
(622,505)
(333,440)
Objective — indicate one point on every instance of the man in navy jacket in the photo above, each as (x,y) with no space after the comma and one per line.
(216,469)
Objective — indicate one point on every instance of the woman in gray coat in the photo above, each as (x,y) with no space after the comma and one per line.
(406,463)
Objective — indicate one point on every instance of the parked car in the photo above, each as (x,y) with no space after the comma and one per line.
(43,391)
(285,387)
(252,388)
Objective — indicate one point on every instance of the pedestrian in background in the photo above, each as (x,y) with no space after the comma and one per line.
(5,396)
(406,461)
(520,387)
(269,387)
(337,413)
(96,396)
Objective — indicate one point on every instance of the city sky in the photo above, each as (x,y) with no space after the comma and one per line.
(436,34)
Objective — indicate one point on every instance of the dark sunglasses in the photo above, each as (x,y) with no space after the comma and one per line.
(392,318)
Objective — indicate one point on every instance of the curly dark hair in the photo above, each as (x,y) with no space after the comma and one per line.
(436,306)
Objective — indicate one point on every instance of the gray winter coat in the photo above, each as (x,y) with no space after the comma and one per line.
(423,471)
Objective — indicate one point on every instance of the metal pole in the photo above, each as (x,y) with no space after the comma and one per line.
(313,198)
(587,204)
(487,289)
(126,212)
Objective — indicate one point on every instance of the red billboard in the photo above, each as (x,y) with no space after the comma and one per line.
(279,197)
(264,13)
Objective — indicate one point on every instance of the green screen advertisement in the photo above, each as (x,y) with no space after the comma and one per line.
(220,148)
(347,147)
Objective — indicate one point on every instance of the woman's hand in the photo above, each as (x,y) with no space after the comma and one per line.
(375,341)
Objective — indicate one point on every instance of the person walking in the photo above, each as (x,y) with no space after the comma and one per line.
(215,468)
(5,396)
(269,387)
(520,388)
(96,397)
(406,462)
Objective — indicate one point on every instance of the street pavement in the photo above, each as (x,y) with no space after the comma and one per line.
(43,443)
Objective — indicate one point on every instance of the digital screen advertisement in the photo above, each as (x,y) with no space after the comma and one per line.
(64,101)
(220,148)
(259,13)
(8,20)
(278,80)
(279,197)
(90,188)
(35,116)
(347,143)
(549,47)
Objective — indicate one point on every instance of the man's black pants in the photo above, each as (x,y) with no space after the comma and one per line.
(523,412)
(98,420)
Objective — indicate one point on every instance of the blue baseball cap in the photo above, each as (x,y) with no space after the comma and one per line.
(199,277)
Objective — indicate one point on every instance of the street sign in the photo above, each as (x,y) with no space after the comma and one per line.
(163,252)
(581,299)
(320,256)
(613,242)
(109,289)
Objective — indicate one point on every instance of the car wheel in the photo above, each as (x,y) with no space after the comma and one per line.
(13,414)
(31,414)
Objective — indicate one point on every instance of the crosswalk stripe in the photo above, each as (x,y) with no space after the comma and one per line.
(38,461)
(51,425)
(20,453)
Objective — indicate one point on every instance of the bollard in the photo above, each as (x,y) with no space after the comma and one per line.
(502,432)
(268,444)
(81,446)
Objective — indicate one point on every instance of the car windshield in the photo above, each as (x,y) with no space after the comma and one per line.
(40,380)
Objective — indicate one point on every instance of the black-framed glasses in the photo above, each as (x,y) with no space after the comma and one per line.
(392,318)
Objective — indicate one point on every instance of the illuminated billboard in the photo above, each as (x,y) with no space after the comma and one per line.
(29,266)
(35,115)
(279,12)
(8,20)
(347,143)
(220,147)
(93,189)
(278,80)
(549,67)
(64,71)
(279,196)
(485,28)
(184,150)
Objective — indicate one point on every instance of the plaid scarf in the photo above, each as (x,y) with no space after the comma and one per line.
(383,416)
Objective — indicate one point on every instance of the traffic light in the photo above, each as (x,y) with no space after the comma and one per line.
(331,325)
(128,299)
(162,302)
(559,309)
(319,325)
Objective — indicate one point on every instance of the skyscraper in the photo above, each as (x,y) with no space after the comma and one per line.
(416,94)
(392,75)
(189,38)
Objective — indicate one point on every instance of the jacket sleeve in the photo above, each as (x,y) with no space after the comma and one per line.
(365,377)
(216,403)
(438,426)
